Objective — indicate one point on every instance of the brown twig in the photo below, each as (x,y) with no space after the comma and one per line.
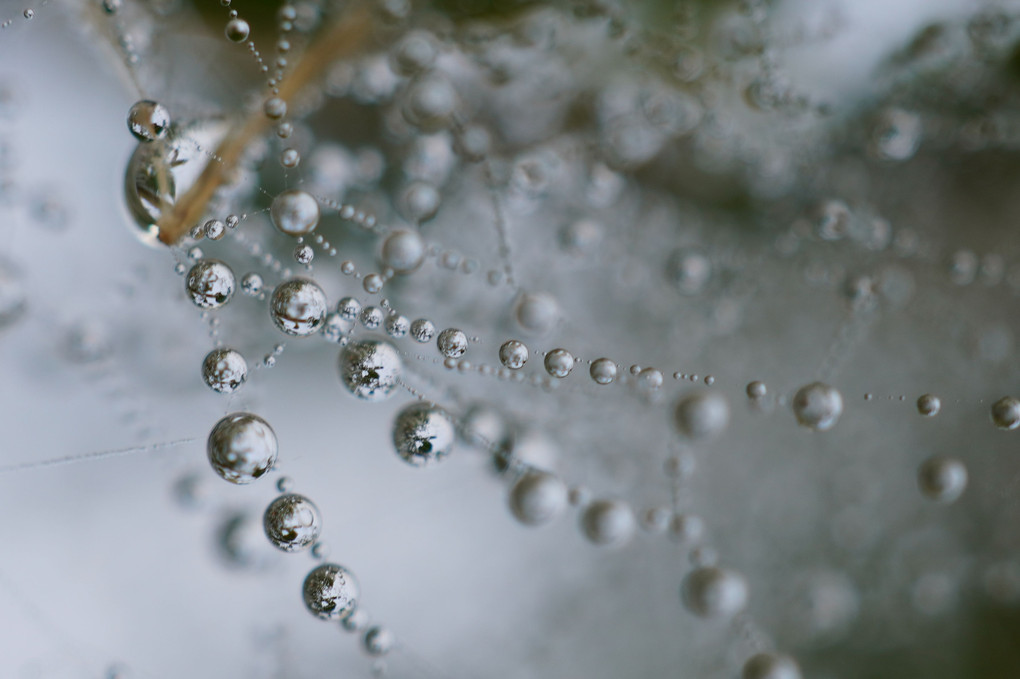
(344,38)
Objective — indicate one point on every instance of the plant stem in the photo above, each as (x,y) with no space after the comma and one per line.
(345,37)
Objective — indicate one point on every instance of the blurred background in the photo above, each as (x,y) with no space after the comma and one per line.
(779,191)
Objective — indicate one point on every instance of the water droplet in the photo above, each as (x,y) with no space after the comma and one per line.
(251,284)
(348,308)
(817,406)
(292,522)
(413,53)
(711,592)
(379,641)
(148,121)
(397,325)
(295,212)
(538,498)
(702,414)
(942,479)
(237,30)
(537,313)
(298,307)
(1006,413)
(559,363)
(688,271)
(610,523)
(372,317)
(420,202)
(290,158)
(370,369)
(373,283)
(210,284)
(274,108)
(242,447)
(423,330)
(224,370)
(330,592)
(430,102)
(423,434)
(929,405)
(603,370)
(403,251)
(452,343)
(513,354)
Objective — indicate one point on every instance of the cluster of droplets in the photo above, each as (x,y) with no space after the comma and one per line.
(242,448)
(28,14)
(427,110)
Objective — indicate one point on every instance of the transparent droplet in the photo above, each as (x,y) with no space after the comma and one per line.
(942,479)
(251,284)
(373,283)
(817,406)
(336,328)
(430,102)
(711,592)
(423,330)
(372,317)
(148,121)
(650,379)
(290,158)
(210,284)
(224,370)
(298,307)
(559,363)
(330,592)
(581,238)
(420,202)
(415,52)
(370,369)
(159,171)
(423,434)
(929,405)
(897,135)
(686,529)
(452,343)
(756,390)
(1006,413)
(304,254)
(689,271)
(702,414)
(292,522)
(348,308)
(610,523)
(242,447)
(537,313)
(537,498)
(379,640)
(295,212)
(513,354)
(237,30)
(275,108)
(403,251)
(397,325)
(603,370)
(214,229)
